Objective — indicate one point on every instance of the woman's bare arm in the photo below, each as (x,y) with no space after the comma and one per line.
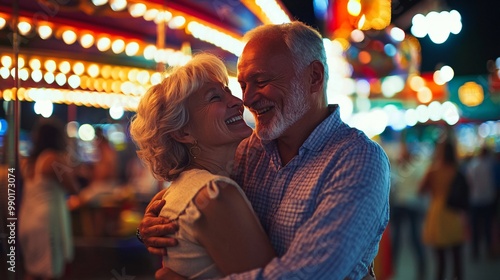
(230,231)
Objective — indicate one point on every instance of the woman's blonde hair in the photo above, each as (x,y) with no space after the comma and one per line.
(162,111)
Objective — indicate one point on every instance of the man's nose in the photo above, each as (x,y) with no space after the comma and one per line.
(249,96)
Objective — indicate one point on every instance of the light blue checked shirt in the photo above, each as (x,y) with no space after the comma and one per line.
(325,211)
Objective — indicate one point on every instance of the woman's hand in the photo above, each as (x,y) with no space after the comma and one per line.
(154,229)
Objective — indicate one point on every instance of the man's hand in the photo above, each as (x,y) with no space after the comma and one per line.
(165,273)
(153,229)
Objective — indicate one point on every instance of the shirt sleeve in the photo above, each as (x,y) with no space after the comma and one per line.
(341,238)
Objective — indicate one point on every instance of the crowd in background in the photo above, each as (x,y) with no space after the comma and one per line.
(422,174)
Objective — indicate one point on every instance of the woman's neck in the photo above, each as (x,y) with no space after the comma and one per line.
(216,161)
(211,166)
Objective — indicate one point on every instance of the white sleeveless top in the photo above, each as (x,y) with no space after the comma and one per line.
(189,258)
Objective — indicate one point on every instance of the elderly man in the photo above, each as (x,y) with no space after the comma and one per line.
(319,187)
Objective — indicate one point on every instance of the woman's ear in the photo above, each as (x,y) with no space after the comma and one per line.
(183,136)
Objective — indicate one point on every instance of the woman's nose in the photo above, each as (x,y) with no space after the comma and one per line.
(234,101)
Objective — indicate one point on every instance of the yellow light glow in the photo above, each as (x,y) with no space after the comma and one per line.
(471,94)
(4,72)
(132,75)
(93,70)
(416,82)
(143,77)
(155,78)
(60,79)
(83,81)
(21,93)
(115,86)
(438,79)
(24,27)
(215,37)
(86,132)
(362,23)
(50,65)
(424,95)
(36,75)
(123,74)
(273,11)
(118,46)
(48,77)
(87,40)
(106,85)
(132,48)
(106,71)
(2,22)
(89,83)
(98,84)
(149,52)
(7,95)
(150,14)
(20,62)
(6,61)
(74,81)
(354,7)
(35,64)
(371,14)
(64,67)
(115,73)
(137,9)
(118,5)
(78,68)
(103,44)
(44,31)
(164,16)
(24,74)
(177,22)
(69,37)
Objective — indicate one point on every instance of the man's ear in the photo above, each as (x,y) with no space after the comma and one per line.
(317,75)
(183,136)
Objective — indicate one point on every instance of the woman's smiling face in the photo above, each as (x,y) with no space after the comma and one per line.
(216,116)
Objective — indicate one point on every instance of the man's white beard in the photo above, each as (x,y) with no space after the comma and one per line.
(295,107)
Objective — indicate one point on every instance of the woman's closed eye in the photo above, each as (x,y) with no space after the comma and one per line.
(215,97)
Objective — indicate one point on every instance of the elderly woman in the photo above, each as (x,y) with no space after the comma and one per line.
(187,129)
(44,219)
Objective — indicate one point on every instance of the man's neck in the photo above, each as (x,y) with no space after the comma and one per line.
(295,136)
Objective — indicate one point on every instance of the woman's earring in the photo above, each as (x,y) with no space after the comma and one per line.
(194,150)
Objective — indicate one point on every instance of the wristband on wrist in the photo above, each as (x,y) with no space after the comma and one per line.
(138,235)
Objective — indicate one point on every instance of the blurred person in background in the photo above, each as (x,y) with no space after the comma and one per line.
(444,228)
(101,191)
(45,235)
(483,193)
(407,206)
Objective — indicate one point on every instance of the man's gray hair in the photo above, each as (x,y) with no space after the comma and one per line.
(304,42)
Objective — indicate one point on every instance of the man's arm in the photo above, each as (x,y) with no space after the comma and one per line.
(345,228)
(154,229)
